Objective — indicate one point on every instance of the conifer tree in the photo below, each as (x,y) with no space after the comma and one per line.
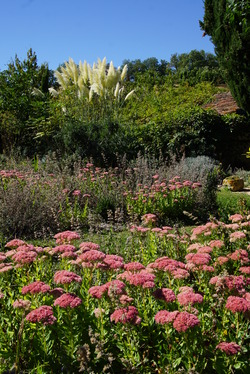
(227,23)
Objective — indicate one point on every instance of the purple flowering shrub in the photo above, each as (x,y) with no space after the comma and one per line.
(169,300)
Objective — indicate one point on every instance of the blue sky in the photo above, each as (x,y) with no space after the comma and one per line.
(88,29)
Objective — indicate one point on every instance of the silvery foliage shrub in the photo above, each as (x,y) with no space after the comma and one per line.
(201,169)
(193,168)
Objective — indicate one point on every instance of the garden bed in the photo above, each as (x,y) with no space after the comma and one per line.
(152,300)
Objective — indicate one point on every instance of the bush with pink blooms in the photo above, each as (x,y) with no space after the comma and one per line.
(164,300)
(80,196)
(166,199)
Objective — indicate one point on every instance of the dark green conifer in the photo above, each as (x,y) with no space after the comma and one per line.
(227,22)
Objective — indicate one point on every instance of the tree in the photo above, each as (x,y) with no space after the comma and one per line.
(196,67)
(227,23)
(148,72)
(24,100)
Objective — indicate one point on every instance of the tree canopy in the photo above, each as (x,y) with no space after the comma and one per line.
(227,23)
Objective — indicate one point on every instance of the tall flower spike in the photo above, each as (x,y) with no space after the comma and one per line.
(61,79)
(129,95)
(124,72)
(117,90)
(73,70)
(84,72)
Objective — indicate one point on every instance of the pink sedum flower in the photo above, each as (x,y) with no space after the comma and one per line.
(237,304)
(198,258)
(165,294)
(92,255)
(21,304)
(164,316)
(14,243)
(98,291)
(134,266)
(189,298)
(236,218)
(236,236)
(230,348)
(2,256)
(240,255)
(62,248)
(6,268)
(216,243)
(86,246)
(25,248)
(68,300)
(66,277)
(24,257)
(125,299)
(43,314)
(66,237)
(36,287)
(139,279)
(116,288)
(114,262)
(126,315)
(184,321)
(245,270)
